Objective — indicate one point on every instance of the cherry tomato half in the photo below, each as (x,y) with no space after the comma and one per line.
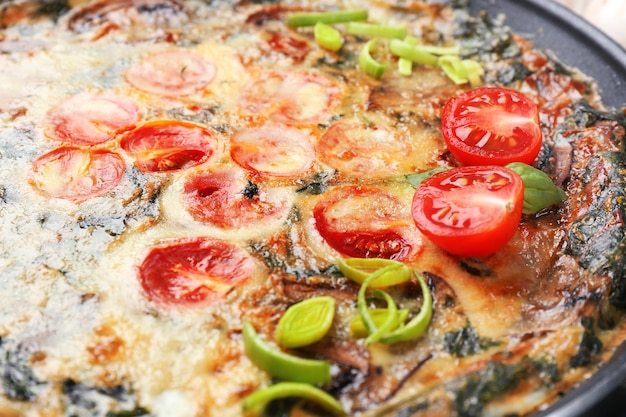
(195,272)
(469,211)
(491,126)
(366,222)
(77,174)
(169,145)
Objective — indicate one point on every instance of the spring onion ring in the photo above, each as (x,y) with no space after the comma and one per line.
(295,20)
(258,400)
(280,364)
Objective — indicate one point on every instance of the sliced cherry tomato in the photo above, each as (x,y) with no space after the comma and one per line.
(287,44)
(91,119)
(491,126)
(169,145)
(224,198)
(469,211)
(174,72)
(291,97)
(366,223)
(273,149)
(77,174)
(197,272)
(357,149)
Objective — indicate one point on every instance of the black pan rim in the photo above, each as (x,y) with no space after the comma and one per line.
(578,44)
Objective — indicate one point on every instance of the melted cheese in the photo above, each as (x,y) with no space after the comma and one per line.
(70,286)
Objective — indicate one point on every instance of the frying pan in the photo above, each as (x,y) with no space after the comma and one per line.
(578,44)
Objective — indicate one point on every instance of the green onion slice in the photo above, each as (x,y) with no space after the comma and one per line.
(310,19)
(440,50)
(474,72)
(412,52)
(369,64)
(379,315)
(418,324)
(361,301)
(358,269)
(327,37)
(376,31)
(280,364)
(405,66)
(454,69)
(390,322)
(461,71)
(306,322)
(258,400)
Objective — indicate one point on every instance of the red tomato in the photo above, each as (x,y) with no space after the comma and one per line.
(295,48)
(366,223)
(273,149)
(291,97)
(469,211)
(358,149)
(197,272)
(174,72)
(169,145)
(491,126)
(77,174)
(224,198)
(90,119)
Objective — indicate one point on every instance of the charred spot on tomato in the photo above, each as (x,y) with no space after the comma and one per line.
(251,190)
(318,184)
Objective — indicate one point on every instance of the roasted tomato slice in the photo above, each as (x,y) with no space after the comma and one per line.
(197,272)
(365,222)
(273,149)
(168,145)
(469,211)
(91,119)
(359,149)
(173,72)
(291,96)
(77,174)
(224,198)
(491,126)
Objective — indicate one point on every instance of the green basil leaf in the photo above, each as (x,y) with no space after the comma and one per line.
(539,190)
(416,179)
(306,322)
